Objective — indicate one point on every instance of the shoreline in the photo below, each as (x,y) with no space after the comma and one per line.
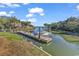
(67,37)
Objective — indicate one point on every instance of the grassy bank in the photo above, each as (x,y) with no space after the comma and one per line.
(11,36)
(71,38)
(14,45)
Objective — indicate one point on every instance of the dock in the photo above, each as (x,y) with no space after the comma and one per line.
(43,38)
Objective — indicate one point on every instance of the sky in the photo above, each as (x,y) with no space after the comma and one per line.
(40,13)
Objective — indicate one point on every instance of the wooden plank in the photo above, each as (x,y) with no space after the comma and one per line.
(45,39)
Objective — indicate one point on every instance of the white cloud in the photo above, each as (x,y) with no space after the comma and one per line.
(10,4)
(3,13)
(29,15)
(25,3)
(37,10)
(32,20)
(77,7)
(42,14)
(11,12)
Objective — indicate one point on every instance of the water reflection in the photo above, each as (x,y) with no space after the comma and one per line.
(58,46)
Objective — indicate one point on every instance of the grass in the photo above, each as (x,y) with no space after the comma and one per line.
(58,32)
(14,45)
(11,36)
(71,38)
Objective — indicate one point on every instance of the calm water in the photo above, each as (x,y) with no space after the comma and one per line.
(58,46)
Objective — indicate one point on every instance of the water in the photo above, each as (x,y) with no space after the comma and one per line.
(61,47)
(58,46)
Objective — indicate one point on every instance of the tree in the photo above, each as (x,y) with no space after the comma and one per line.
(13,24)
(71,24)
(47,26)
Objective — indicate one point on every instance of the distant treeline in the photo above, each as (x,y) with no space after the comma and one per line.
(14,24)
(70,24)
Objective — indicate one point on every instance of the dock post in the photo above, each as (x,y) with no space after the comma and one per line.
(39,32)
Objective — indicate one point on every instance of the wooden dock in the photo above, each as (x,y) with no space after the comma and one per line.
(43,38)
